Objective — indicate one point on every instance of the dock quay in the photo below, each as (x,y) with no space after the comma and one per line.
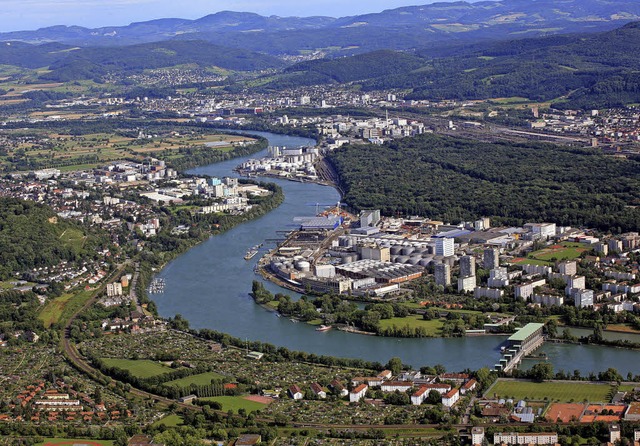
(519,345)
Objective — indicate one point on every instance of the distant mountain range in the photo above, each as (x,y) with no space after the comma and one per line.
(579,70)
(401,28)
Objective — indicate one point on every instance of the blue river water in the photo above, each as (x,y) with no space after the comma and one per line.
(210,285)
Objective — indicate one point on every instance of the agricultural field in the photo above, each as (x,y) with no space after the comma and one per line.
(140,368)
(203,379)
(76,152)
(556,391)
(433,327)
(235,403)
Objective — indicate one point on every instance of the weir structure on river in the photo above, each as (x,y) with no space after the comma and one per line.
(520,344)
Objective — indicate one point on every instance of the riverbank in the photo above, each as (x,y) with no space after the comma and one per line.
(209,285)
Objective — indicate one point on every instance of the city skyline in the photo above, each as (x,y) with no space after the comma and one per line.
(22,15)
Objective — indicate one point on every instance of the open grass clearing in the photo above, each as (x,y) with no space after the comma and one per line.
(202,379)
(172,420)
(235,403)
(432,327)
(73,238)
(565,391)
(140,368)
(61,308)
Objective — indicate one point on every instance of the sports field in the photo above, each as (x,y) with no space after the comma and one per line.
(142,368)
(565,391)
(202,379)
(546,256)
(236,402)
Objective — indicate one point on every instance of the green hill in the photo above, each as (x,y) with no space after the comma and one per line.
(88,63)
(31,236)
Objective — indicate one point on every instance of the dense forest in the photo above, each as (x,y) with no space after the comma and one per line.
(30,237)
(457,179)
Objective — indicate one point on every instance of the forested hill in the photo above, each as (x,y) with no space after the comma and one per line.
(457,179)
(31,236)
(585,71)
(377,64)
(72,63)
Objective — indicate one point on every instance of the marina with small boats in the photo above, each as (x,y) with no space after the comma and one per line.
(157,285)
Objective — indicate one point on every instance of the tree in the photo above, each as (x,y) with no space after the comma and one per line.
(541,371)
(610,375)
(552,328)
(395,365)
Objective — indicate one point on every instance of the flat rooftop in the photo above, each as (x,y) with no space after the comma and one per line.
(525,332)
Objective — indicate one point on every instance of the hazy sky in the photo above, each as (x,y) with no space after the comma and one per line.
(32,14)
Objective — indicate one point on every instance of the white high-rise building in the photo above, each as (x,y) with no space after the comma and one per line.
(445,247)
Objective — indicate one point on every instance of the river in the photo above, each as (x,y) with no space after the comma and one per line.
(209,285)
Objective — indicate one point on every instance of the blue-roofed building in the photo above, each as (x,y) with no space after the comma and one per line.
(453,233)
(328,223)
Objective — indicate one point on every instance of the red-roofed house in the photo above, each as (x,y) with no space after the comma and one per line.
(318,390)
(295,392)
(421,394)
(392,386)
(469,386)
(450,398)
(358,393)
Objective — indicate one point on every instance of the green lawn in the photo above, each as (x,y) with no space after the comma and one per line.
(561,391)
(74,441)
(433,327)
(140,368)
(73,238)
(172,420)
(61,308)
(569,251)
(202,379)
(234,403)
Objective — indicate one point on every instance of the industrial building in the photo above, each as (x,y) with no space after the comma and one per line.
(382,272)
(328,223)
(527,336)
